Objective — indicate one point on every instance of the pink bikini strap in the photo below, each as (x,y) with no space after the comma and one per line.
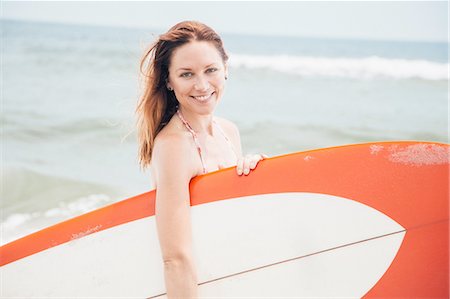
(194,135)
(197,143)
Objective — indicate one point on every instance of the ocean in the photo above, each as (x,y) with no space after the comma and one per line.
(69,93)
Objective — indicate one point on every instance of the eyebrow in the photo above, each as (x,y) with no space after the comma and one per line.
(188,69)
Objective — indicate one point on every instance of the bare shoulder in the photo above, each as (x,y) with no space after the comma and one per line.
(171,156)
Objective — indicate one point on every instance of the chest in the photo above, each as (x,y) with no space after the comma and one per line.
(217,153)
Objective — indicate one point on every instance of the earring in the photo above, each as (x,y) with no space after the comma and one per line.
(169,88)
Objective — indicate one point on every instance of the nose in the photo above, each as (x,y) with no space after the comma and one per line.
(201,83)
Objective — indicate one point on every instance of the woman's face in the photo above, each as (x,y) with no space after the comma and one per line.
(197,76)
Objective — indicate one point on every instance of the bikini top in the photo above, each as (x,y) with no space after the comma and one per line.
(197,143)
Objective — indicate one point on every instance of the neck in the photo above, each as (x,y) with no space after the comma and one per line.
(201,124)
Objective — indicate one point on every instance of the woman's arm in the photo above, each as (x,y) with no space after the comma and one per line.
(173,171)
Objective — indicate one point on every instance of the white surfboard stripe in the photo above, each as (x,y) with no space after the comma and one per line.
(230,236)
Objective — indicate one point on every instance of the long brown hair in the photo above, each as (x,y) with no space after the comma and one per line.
(157,104)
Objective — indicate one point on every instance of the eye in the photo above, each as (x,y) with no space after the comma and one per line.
(211,69)
(186,75)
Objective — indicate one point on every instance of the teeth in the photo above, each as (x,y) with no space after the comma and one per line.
(203,98)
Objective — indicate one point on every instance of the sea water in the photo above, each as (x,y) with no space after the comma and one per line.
(69,94)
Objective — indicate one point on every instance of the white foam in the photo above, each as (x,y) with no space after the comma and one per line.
(20,224)
(15,220)
(80,206)
(356,68)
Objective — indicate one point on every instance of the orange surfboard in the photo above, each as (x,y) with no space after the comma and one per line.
(366,220)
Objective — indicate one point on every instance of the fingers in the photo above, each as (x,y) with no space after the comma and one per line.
(249,162)
(243,165)
(240,166)
(246,164)
(254,161)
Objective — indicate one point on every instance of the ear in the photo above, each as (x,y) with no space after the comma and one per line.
(168,86)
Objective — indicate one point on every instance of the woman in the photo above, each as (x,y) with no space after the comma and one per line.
(185,72)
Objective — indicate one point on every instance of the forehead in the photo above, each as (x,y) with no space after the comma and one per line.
(195,54)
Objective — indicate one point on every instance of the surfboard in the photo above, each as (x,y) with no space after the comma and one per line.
(364,220)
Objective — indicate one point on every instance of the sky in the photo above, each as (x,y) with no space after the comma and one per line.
(377,20)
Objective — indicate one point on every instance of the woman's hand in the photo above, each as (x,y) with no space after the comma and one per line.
(249,162)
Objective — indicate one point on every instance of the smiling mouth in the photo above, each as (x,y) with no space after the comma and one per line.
(203,97)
